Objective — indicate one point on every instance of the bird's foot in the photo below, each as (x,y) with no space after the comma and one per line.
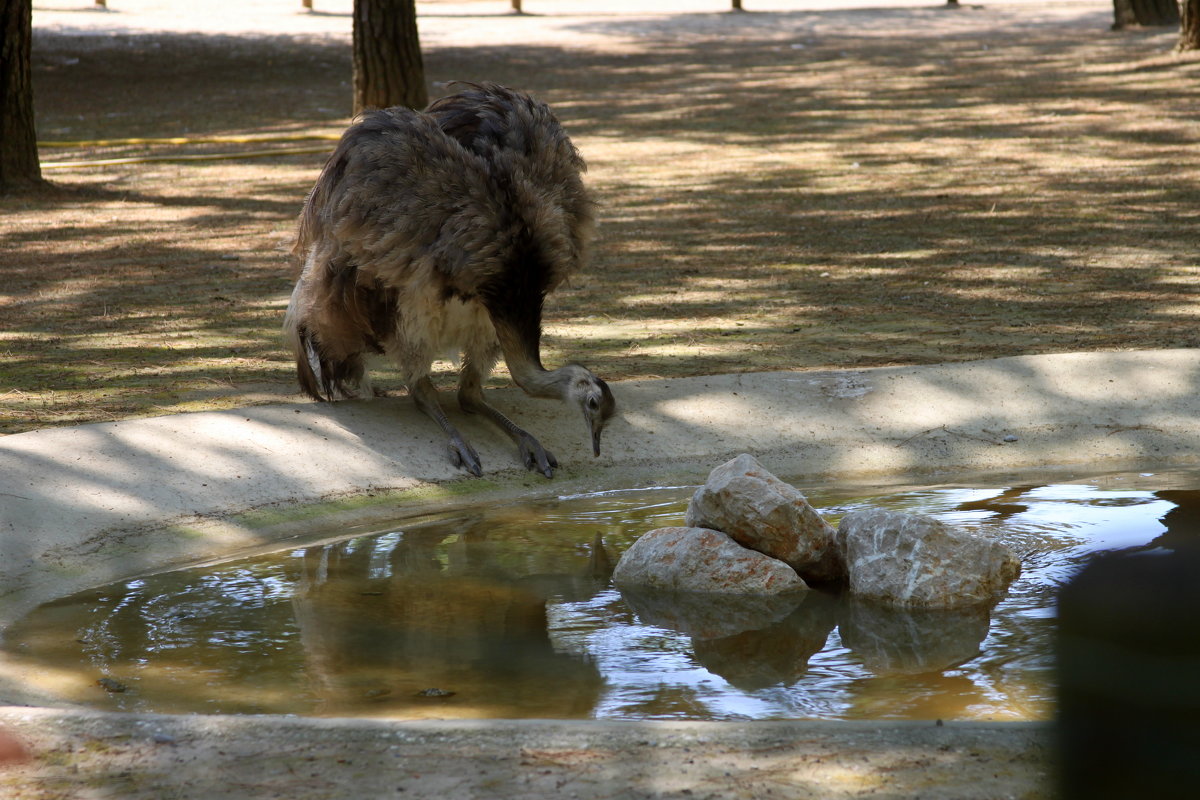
(536,457)
(464,456)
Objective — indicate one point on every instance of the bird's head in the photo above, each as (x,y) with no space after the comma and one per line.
(594,399)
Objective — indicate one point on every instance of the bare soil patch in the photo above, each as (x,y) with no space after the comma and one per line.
(779,189)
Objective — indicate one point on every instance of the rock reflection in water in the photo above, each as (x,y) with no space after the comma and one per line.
(751,641)
(707,616)
(377,637)
(893,640)
(757,642)
(776,655)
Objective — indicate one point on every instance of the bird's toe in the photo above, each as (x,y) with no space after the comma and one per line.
(462,455)
(537,457)
(547,463)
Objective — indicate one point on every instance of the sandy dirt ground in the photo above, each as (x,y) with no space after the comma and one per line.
(796,187)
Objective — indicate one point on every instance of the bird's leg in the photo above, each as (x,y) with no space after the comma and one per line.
(470,398)
(461,454)
(532,453)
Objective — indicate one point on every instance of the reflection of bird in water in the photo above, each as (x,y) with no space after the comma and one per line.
(384,626)
(1001,504)
(441,232)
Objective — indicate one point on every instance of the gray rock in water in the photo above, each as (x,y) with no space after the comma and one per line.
(914,561)
(763,513)
(703,561)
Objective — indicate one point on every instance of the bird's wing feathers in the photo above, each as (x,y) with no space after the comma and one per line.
(453,189)
(498,123)
(389,190)
(520,137)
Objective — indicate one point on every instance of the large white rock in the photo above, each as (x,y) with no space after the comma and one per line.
(914,561)
(702,561)
(763,513)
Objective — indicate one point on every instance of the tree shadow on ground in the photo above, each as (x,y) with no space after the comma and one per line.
(777,191)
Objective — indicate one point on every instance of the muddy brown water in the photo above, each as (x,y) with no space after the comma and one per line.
(506,611)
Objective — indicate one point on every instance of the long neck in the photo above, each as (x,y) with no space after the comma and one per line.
(514,303)
(528,372)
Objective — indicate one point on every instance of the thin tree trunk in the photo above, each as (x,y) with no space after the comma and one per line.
(19,167)
(388,70)
(1127,13)
(1189,29)
(1123,14)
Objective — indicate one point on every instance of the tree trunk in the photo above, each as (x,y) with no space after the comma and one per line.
(1189,31)
(19,167)
(1127,13)
(388,70)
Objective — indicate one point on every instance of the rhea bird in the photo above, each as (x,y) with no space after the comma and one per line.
(439,233)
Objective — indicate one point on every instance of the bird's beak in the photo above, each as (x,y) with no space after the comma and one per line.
(596,427)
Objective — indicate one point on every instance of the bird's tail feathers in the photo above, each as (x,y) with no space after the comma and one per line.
(308,368)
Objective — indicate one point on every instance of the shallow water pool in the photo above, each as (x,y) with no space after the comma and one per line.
(507,611)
